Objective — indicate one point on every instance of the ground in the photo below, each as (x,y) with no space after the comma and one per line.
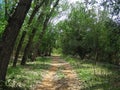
(60,76)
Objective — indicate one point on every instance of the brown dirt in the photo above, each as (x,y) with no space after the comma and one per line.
(60,76)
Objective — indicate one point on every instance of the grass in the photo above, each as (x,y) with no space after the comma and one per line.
(99,76)
(59,73)
(25,77)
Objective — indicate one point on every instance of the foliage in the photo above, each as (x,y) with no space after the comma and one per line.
(48,41)
(89,35)
(2,21)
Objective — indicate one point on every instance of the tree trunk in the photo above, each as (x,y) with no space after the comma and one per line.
(35,11)
(35,53)
(27,48)
(6,9)
(50,51)
(24,33)
(10,34)
(19,48)
(44,30)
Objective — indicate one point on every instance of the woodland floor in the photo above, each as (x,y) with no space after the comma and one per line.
(60,76)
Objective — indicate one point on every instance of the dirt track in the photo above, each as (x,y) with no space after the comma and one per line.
(60,76)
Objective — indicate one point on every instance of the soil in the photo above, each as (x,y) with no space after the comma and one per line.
(60,76)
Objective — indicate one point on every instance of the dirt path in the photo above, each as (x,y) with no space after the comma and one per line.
(59,77)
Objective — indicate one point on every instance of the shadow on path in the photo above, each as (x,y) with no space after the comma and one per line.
(60,76)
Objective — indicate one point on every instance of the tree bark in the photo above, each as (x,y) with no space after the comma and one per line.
(10,34)
(19,48)
(44,30)
(35,11)
(6,9)
(27,48)
(23,37)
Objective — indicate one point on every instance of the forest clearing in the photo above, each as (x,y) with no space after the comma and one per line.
(59,44)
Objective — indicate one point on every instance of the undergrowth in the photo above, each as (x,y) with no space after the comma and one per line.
(25,77)
(96,76)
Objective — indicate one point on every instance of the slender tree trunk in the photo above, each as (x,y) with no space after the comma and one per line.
(41,35)
(35,52)
(96,56)
(27,48)
(50,51)
(6,11)
(44,30)
(10,34)
(19,48)
(35,10)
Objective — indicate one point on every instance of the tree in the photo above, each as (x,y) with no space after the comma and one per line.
(75,30)
(44,27)
(10,34)
(35,10)
(90,33)
(18,48)
(48,41)
(44,16)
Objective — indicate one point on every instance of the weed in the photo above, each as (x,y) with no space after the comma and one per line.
(99,76)
(24,77)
